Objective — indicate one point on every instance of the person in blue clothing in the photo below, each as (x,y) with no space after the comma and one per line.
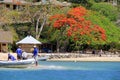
(35,55)
(11,57)
(19,53)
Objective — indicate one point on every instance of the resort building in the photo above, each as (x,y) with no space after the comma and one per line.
(21,4)
(5,39)
(27,44)
(13,4)
(114,2)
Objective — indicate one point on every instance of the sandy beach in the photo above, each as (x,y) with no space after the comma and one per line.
(3,56)
(112,59)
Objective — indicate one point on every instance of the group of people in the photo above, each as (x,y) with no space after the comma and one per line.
(22,55)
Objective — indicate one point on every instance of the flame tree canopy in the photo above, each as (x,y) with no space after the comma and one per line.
(77,27)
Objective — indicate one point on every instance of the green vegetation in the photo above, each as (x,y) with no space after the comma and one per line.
(112,31)
(106,9)
(34,20)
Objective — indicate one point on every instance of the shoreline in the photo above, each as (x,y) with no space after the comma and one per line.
(3,56)
(89,59)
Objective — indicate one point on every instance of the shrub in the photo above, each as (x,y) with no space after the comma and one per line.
(106,9)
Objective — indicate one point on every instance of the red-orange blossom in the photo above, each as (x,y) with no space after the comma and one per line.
(77,25)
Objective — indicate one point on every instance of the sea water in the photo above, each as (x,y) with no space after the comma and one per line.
(64,71)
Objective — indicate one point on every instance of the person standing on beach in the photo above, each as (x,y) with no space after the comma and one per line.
(93,52)
(35,55)
(19,53)
(100,53)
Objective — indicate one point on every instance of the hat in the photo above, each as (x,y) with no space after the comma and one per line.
(34,46)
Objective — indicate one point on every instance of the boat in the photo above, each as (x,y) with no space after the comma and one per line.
(43,58)
(21,63)
(17,63)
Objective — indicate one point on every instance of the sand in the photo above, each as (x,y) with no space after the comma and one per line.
(112,59)
(3,56)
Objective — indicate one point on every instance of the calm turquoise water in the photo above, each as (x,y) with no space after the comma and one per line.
(65,71)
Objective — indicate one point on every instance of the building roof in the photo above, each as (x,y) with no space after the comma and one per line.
(29,40)
(6,37)
(13,1)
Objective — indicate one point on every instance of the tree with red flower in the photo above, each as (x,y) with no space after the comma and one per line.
(77,27)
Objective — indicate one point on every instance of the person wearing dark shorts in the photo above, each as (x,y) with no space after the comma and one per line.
(19,53)
(35,55)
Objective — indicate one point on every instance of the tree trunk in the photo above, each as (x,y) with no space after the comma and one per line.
(36,27)
(58,46)
(41,28)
